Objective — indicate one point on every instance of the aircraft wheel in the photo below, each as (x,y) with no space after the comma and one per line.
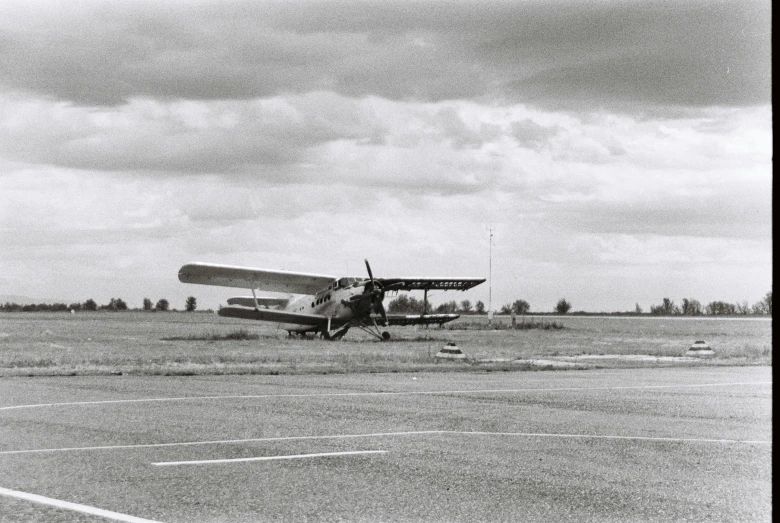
(385,336)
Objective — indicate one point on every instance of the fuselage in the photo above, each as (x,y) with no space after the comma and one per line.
(332,301)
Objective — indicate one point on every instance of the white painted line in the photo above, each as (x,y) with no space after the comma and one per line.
(380,435)
(224,442)
(269,458)
(597,436)
(389,393)
(76,507)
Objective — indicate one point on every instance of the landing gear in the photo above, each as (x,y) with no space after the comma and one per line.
(373,330)
(336,335)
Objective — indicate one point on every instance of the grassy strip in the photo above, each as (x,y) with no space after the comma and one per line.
(240,334)
(218,369)
(497,326)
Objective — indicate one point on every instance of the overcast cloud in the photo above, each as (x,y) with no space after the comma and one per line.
(622,151)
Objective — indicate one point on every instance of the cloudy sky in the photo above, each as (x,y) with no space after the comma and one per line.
(620,151)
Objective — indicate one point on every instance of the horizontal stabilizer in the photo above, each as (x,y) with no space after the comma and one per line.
(249,301)
(273,316)
(420,319)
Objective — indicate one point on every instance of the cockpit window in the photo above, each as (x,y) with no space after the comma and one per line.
(347,282)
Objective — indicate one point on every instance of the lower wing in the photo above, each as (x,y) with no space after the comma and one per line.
(273,316)
(249,301)
(420,319)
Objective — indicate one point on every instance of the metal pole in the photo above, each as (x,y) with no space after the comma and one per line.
(490,280)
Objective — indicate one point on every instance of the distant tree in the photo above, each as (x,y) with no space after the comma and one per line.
(115,304)
(75,306)
(743,308)
(480,307)
(638,309)
(768,302)
(465,306)
(720,308)
(90,305)
(417,306)
(690,307)
(563,306)
(147,304)
(399,305)
(404,304)
(162,305)
(521,306)
(759,308)
(505,309)
(449,307)
(191,304)
(668,308)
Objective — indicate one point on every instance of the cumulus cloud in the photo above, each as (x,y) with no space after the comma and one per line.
(530,134)
(572,54)
(185,135)
(600,141)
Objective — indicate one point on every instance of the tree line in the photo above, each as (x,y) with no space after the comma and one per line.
(689,307)
(115,304)
(692,307)
(404,304)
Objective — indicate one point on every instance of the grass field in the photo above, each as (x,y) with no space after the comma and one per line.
(204,343)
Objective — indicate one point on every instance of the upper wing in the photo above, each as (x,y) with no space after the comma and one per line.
(444,284)
(420,319)
(249,278)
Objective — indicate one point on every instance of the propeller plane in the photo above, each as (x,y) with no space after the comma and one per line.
(319,303)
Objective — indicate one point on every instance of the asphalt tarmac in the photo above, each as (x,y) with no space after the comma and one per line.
(662,444)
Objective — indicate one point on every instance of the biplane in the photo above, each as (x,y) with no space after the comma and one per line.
(315,303)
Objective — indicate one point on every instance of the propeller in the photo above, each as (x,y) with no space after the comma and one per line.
(377,294)
(373,294)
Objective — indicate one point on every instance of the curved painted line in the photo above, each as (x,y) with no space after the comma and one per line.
(76,507)
(389,434)
(390,393)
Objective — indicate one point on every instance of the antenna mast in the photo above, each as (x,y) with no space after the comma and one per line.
(490,279)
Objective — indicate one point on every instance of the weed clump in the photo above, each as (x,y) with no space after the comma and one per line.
(500,326)
(240,334)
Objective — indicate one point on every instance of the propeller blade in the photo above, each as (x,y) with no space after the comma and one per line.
(379,306)
(370,275)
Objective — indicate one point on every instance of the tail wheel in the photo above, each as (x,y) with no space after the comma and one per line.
(385,336)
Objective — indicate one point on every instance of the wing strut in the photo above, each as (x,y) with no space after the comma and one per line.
(257,305)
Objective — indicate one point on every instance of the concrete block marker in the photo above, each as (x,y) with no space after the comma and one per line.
(75,507)
(700,349)
(450,352)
